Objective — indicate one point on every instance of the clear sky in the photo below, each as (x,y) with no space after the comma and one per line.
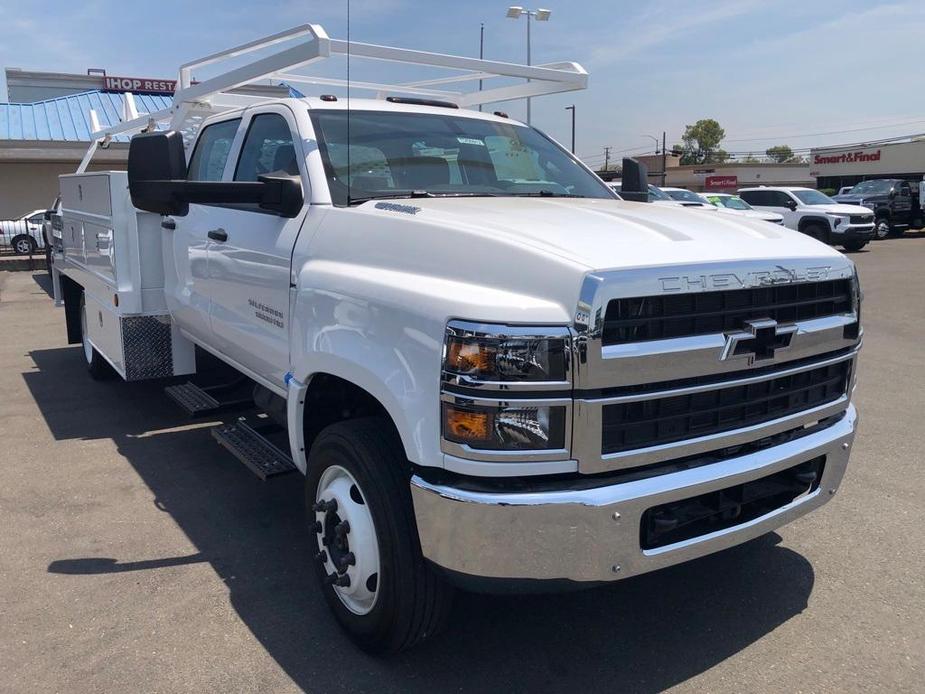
(791,72)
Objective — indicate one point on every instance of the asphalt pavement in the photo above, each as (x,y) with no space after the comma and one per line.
(137,555)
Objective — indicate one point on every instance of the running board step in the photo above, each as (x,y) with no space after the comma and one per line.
(197,401)
(192,399)
(249,446)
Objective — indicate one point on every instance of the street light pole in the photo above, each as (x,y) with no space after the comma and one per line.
(540,15)
(572,109)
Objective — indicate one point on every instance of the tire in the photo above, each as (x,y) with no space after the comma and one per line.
(98,368)
(815,231)
(882,228)
(23,245)
(854,246)
(360,464)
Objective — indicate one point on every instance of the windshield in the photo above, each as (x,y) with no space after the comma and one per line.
(876,187)
(395,154)
(657,194)
(733,202)
(685,196)
(813,197)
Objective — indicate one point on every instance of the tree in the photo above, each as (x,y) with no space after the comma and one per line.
(779,153)
(700,143)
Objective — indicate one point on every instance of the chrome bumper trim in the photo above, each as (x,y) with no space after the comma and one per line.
(593,534)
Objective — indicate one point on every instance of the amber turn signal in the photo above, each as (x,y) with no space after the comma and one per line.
(464,426)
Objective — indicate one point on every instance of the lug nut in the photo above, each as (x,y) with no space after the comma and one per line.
(347,560)
(330,578)
(324,506)
(317,527)
(342,528)
(342,581)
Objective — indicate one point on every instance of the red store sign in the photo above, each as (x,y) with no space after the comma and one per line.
(720,182)
(847,157)
(140,85)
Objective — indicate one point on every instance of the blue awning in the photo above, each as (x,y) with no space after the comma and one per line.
(67,118)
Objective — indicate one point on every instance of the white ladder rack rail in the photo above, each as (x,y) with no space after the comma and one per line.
(310,43)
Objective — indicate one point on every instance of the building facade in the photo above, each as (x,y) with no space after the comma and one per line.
(834,167)
(729,177)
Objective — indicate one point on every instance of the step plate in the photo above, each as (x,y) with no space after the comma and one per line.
(251,448)
(193,399)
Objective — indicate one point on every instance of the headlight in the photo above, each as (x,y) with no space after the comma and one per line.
(505,363)
(504,426)
(477,354)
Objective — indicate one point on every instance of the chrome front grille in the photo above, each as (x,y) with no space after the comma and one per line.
(662,419)
(640,319)
(659,375)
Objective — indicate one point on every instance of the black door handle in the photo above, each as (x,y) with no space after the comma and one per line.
(218,235)
(168,223)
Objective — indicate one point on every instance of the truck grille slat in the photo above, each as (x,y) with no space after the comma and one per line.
(641,319)
(641,424)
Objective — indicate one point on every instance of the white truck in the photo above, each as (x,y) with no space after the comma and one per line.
(492,373)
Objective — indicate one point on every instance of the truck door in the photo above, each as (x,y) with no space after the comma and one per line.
(902,203)
(185,247)
(251,253)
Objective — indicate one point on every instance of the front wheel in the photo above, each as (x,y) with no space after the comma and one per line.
(882,228)
(854,246)
(368,558)
(815,231)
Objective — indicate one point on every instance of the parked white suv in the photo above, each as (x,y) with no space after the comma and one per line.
(815,214)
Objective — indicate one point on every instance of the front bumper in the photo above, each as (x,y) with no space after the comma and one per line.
(593,535)
(855,232)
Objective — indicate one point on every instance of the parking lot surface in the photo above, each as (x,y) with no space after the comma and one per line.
(137,555)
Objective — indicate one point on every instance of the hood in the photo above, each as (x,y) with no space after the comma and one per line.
(611,234)
(836,209)
(752,214)
(848,199)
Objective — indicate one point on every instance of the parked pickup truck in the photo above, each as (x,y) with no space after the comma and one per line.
(895,203)
(492,373)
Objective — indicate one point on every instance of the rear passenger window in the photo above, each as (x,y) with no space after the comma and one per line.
(211,151)
(754,197)
(267,149)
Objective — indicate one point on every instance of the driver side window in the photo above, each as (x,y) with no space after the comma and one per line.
(267,149)
(780,199)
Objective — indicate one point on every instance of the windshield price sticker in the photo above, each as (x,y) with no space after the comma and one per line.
(470,141)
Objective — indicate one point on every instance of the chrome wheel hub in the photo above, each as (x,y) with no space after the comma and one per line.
(346,540)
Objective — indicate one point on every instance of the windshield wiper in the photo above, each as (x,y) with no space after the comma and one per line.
(351,200)
(420,194)
(545,194)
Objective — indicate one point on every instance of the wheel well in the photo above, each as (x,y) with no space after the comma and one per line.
(331,399)
(71,291)
(818,221)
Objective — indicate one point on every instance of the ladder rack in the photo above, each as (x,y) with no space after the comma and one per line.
(310,44)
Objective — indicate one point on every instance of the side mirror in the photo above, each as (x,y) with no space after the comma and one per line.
(47,215)
(792,204)
(157,182)
(635,184)
(156,157)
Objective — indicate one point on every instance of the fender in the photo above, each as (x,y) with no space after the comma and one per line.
(382,330)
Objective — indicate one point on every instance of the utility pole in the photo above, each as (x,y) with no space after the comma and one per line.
(481,52)
(664,172)
(572,109)
(606,158)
